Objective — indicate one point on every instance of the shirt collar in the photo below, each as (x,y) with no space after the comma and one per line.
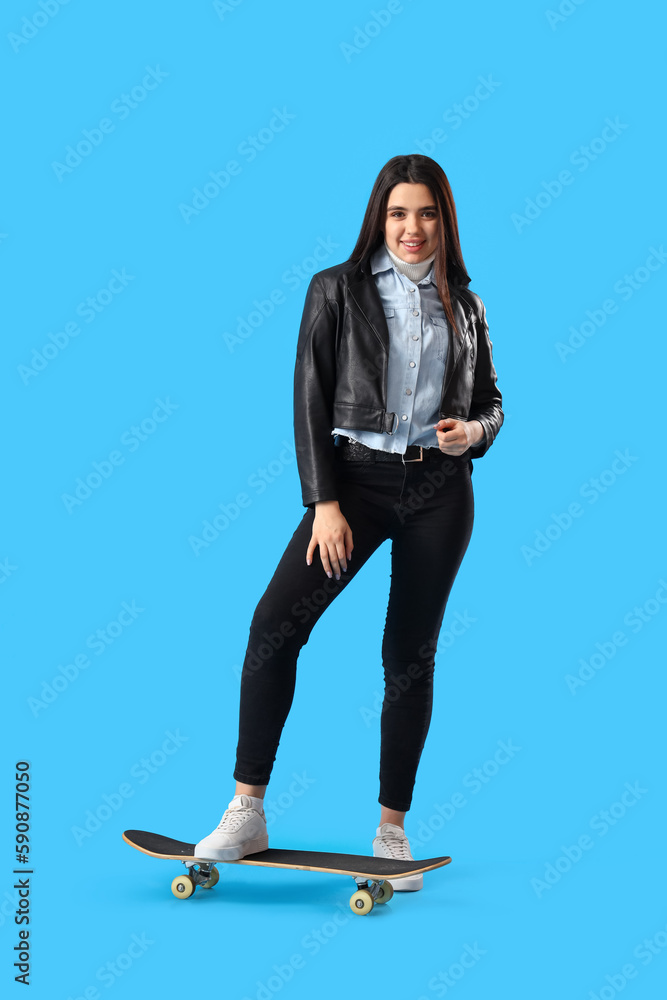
(381,261)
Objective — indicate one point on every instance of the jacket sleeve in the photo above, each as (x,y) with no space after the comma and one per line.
(314,385)
(487,401)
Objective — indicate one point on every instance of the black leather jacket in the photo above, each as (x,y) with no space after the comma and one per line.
(340,376)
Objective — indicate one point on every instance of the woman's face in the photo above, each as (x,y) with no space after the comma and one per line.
(411,223)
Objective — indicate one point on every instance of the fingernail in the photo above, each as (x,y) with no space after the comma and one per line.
(329,573)
(338,576)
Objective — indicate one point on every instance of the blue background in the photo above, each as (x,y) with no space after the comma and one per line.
(350,98)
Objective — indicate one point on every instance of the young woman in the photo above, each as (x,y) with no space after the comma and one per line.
(394,394)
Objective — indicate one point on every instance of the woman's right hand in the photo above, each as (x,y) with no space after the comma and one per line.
(333,535)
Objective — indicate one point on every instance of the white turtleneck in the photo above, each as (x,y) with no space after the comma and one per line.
(415,272)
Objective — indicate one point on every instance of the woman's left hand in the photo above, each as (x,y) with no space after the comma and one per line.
(456,436)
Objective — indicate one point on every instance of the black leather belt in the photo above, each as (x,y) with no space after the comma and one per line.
(354,451)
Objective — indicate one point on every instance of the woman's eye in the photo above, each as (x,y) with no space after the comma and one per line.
(426,215)
(429,214)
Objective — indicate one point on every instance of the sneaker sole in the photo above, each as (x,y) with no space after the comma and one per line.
(409,884)
(234,853)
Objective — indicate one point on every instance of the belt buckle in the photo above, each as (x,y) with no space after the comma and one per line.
(421,455)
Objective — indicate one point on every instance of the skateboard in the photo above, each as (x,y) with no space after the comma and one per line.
(370,874)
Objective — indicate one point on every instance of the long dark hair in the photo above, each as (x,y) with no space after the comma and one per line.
(417,169)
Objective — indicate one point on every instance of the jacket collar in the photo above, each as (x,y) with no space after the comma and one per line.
(364,294)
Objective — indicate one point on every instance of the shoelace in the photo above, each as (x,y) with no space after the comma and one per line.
(233,819)
(397,846)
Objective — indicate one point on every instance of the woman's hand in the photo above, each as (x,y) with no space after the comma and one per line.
(456,436)
(333,535)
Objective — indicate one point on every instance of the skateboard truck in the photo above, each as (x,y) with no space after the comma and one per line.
(201,873)
(369,892)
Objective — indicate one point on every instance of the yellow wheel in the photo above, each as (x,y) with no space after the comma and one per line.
(386,892)
(182,886)
(213,880)
(361,902)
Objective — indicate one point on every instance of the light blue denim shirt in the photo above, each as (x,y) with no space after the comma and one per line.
(418,344)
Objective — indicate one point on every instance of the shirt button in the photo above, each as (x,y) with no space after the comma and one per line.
(411,289)
(404,417)
(408,392)
(415,337)
(415,312)
(412,364)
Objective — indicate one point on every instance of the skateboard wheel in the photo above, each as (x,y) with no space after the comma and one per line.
(213,880)
(182,886)
(386,892)
(361,902)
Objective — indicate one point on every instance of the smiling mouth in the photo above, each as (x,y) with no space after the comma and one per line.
(413,245)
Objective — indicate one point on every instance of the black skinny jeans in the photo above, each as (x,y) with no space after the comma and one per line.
(427,510)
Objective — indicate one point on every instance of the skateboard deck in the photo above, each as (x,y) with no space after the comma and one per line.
(371,874)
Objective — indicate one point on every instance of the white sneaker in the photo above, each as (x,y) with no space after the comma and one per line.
(241,831)
(391,842)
